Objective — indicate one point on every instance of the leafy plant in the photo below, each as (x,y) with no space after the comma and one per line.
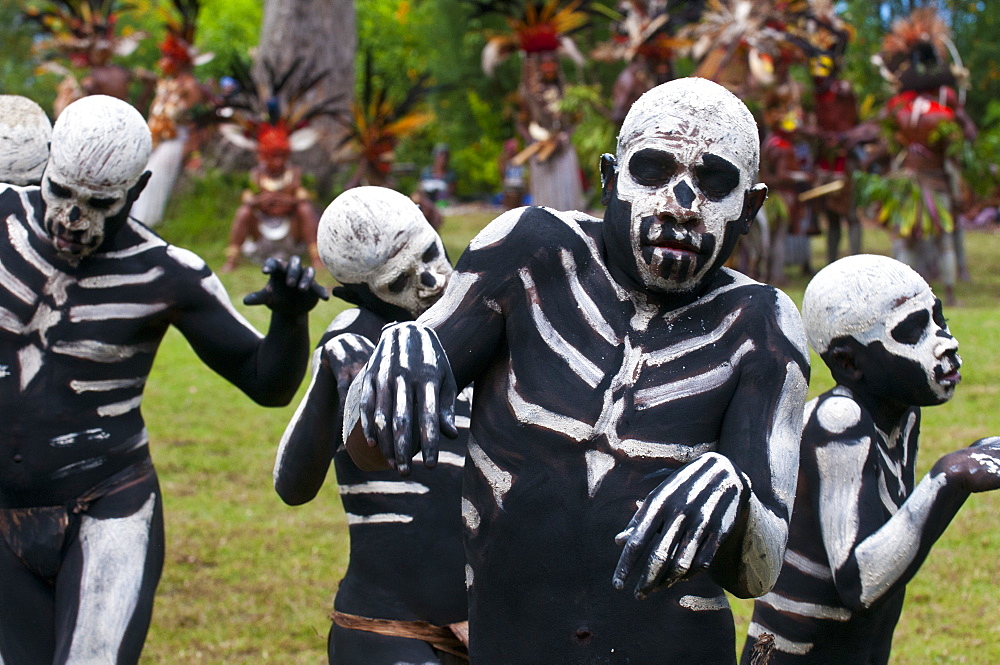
(594,133)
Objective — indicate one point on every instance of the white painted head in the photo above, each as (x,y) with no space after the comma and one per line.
(100,146)
(876,299)
(687,156)
(25,131)
(378,237)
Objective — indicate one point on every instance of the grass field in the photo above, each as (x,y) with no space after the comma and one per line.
(250,580)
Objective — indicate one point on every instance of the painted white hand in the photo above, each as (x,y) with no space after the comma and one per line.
(976,468)
(408,395)
(682,523)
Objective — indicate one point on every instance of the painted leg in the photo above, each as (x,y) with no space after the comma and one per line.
(832,236)
(854,234)
(105,590)
(958,236)
(27,613)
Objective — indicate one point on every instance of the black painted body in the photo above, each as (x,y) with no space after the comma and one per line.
(408,562)
(543,553)
(77,341)
(857,632)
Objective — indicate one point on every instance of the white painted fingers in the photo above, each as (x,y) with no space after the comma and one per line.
(681,524)
(408,396)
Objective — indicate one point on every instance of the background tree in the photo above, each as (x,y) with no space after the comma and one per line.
(323,34)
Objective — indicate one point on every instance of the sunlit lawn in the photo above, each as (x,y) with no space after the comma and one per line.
(250,580)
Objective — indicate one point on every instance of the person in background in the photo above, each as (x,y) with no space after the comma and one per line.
(436,186)
(393,266)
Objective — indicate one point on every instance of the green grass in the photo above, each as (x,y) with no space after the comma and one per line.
(250,580)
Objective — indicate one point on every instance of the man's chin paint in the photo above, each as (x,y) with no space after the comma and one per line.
(672,258)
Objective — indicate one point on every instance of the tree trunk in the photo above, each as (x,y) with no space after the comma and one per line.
(322,32)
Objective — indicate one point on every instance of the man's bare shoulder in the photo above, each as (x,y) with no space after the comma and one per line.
(764,310)
(534,224)
(835,416)
(357,321)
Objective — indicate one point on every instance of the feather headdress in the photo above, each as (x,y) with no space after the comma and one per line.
(918,51)
(535,26)
(181,24)
(641,26)
(272,111)
(737,38)
(85,31)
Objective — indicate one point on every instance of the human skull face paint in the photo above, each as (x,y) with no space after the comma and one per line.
(378,237)
(100,146)
(76,215)
(687,156)
(923,360)
(891,311)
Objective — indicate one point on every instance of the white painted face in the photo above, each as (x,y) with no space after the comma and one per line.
(878,300)
(915,332)
(687,155)
(24,140)
(378,237)
(100,146)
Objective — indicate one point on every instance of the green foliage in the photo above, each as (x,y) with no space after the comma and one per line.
(410,37)
(17,67)
(974,25)
(201,210)
(980,160)
(594,133)
(227,28)
(897,196)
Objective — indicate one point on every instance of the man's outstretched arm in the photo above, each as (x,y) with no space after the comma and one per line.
(871,557)
(267,368)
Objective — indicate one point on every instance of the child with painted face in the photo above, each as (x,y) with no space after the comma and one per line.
(861,525)
(86,296)
(391,263)
(634,438)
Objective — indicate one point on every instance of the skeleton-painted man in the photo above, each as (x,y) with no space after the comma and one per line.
(617,366)
(86,296)
(379,245)
(24,140)
(861,527)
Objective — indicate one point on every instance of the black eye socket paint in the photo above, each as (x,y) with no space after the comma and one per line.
(938,314)
(717,177)
(101,203)
(651,167)
(399,283)
(430,253)
(59,190)
(911,329)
